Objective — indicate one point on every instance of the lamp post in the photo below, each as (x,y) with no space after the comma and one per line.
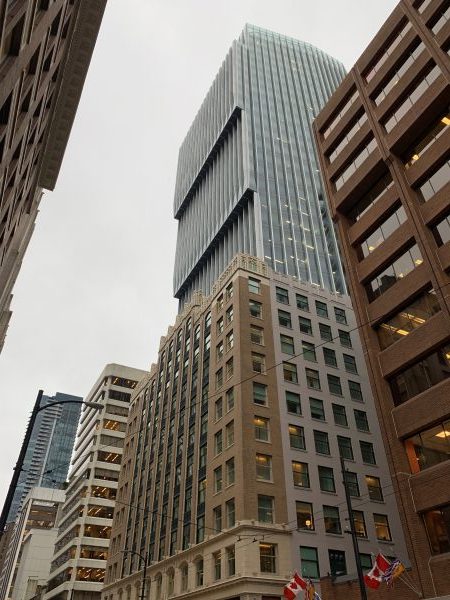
(143,559)
(23,450)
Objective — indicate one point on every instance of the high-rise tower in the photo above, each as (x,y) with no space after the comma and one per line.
(248,178)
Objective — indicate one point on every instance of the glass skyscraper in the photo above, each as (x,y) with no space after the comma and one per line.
(248,178)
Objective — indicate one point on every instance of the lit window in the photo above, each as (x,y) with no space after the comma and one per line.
(263,467)
(261,429)
(382,528)
(300,473)
(305,518)
(297,437)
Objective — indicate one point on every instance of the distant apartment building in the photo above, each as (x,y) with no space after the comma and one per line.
(28,557)
(45,50)
(384,144)
(48,455)
(230,476)
(84,523)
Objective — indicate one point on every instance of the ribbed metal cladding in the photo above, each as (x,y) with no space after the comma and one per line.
(248,177)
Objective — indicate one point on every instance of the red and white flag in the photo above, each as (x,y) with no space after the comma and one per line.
(375,576)
(294,587)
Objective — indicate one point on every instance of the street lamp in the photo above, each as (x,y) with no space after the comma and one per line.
(143,559)
(23,450)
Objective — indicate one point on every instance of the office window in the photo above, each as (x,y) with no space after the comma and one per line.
(258,363)
(220,326)
(257,335)
(337,562)
(382,528)
(219,350)
(259,393)
(229,396)
(326,479)
(282,295)
(218,410)
(229,368)
(367,453)
(340,315)
(254,286)
(229,434)
(284,319)
(321,442)
(200,530)
(366,561)
(219,378)
(218,479)
(293,404)
(263,467)
(217,516)
(310,562)
(334,385)
(302,302)
(218,444)
(265,509)
(184,576)
(312,379)
(261,429)
(339,414)
(321,309)
(437,524)
(360,523)
(199,572)
(287,344)
(325,332)
(355,391)
(429,447)
(268,557)
(290,372)
(344,338)
(255,309)
(309,351)
(229,291)
(398,269)
(329,357)
(229,341)
(332,519)
(361,420)
(231,512)
(345,447)
(305,518)
(352,483)
(374,488)
(297,437)
(317,409)
(305,325)
(231,561)
(350,363)
(300,473)
(220,302)
(229,466)
(229,314)
(217,561)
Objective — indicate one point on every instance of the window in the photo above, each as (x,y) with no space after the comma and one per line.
(345,447)
(350,363)
(377,237)
(309,351)
(282,295)
(305,518)
(229,466)
(218,410)
(184,576)
(334,385)
(220,302)
(371,197)
(261,429)
(331,519)
(382,528)
(321,442)
(293,404)
(229,291)
(344,338)
(290,372)
(310,562)
(284,319)
(254,286)
(231,561)
(398,269)
(321,309)
(302,302)
(312,379)
(229,368)
(229,434)
(297,437)
(265,509)
(255,309)
(300,474)
(200,529)
(217,561)
(287,344)
(337,562)
(199,572)
(305,325)
(219,351)
(231,512)
(429,447)
(229,395)
(218,445)
(366,561)
(263,467)
(220,326)
(355,391)
(268,557)
(257,335)
(325,332)
(352,483)
(329,357)
(317,410)
(258,363)
(374,487)
(437,524)
(361,420)
(219,378)
(326,479)
(229,341)
(218,479)
(435,181)
(217,515)
(229,314)
(367,453)
(340,315)
(339,414)
(360,524)
(259,393)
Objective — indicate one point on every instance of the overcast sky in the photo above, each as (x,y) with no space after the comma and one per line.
(96,282)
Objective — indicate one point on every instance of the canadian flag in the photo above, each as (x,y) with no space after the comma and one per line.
(374,577)
(294,587)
